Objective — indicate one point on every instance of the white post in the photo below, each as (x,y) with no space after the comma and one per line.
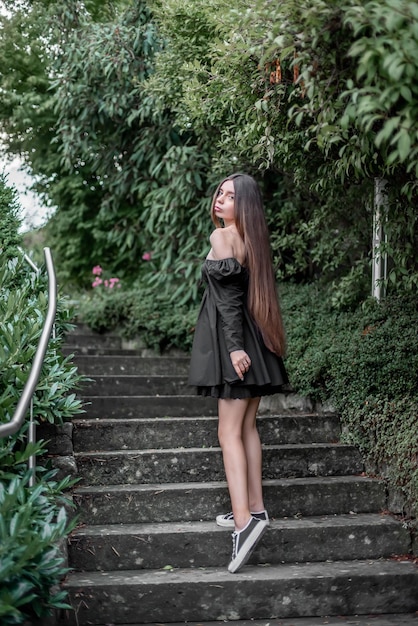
(379,270)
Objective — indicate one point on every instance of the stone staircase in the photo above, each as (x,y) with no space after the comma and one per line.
(147,549)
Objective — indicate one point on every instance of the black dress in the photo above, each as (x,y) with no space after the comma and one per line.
(224,324)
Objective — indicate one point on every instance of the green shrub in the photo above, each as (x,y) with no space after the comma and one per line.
(372,380)
(141,313)
(366,363)
(386,431)
(9,220)
(23,306)
(33,522)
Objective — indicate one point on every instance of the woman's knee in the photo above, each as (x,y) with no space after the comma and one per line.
(229,433)
(231,419)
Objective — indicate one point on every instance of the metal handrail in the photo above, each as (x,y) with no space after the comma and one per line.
(26,398)
(29,260)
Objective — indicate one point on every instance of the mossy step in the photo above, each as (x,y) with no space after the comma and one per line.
(397,619)
(85,338)
(124,407)
(270,592)
(205,464)
(169,502)
(97,365)
(118,434)
(136,385)
(188,544)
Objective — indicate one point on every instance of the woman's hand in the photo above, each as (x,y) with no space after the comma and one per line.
(241,362)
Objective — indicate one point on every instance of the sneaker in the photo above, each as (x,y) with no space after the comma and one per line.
(227,519)
(244,542)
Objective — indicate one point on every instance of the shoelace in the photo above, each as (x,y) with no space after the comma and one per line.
(234,544)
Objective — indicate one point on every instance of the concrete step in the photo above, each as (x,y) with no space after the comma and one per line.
(133,385)
(152,529)
(395,619)
(80,328)
(89,350)
(111,434)
(184,502)
(152,546)
(98,365)
(147,406)
(93,340)
(113,406)
(270,592)
(205,464)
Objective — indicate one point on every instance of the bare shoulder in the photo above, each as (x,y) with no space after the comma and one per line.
(221,243)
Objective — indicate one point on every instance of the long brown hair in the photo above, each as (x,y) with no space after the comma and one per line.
(252,227)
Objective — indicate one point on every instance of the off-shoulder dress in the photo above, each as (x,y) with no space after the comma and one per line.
(224,324)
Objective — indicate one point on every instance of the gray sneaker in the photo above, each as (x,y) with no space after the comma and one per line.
(227,519)
(244,542)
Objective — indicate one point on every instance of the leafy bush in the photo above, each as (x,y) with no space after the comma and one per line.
(9,219)
(33,521)
(366,362)
(141,313)
(350,355)
(23,305)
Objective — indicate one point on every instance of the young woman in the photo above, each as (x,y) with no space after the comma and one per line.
(237,349)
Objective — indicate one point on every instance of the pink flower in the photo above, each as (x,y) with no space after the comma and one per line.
(107,283)
(147,256)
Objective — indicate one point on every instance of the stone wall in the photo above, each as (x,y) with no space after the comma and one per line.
(60,451)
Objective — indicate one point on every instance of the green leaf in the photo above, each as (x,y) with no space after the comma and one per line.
(404,146)
(388,129)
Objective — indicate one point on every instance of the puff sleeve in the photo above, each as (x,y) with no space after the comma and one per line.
(226,283)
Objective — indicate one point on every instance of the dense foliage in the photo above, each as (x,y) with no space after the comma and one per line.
(366,363)
(309,93)
(133,110)
(33,523)
(141,314)
(23,305)
(9,220)
(33,519)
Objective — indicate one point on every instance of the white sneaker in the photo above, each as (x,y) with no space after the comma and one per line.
(227,519)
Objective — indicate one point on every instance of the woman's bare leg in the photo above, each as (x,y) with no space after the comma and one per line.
(253,453)
(231,420)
